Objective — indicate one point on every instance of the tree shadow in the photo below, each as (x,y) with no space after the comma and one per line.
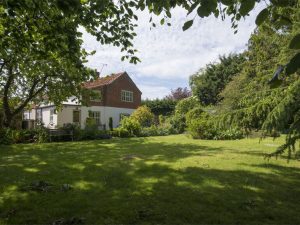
(110,188)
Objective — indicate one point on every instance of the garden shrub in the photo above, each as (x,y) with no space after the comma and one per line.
(131,125)
(5,137)
(121,132)
(74,129)
(177,124)
(185,105)
(12,136)
(229,134)
(143,116)
(155,131)
(41,134)
(202,125)
(90,130)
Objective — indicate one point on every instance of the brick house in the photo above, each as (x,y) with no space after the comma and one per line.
(115,96)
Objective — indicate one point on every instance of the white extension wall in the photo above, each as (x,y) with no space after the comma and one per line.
(46,117)
(106,113)
(65,115)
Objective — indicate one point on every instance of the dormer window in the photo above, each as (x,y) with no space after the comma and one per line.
(126,96)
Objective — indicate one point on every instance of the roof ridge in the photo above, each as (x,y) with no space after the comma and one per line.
(103,81)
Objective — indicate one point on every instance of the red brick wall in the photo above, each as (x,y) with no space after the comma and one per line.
(111,94)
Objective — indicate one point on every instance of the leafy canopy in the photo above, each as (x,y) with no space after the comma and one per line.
(208,82)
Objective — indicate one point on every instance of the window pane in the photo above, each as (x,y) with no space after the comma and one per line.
(126,96)
(96,116)
(51,115)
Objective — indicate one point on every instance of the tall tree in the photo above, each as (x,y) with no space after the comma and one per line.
(160,106)
(40,51)
(179,93)
(255,101)
(208,82)
(40,47)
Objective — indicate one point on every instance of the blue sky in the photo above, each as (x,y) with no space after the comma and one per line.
(169,55)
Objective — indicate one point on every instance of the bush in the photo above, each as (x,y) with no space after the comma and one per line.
(230,134)
(91,130)
(155,131)
(71,128)
(5,137)
(199,124)
(11,136)
(131,125)
(143,116)
(177,124)
(185,105)
(41,134)
(202,125)
(194,114)
(120,132)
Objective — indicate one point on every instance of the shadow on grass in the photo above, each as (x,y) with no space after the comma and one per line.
(111,188)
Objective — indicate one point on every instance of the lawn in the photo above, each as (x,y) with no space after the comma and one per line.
(161,180)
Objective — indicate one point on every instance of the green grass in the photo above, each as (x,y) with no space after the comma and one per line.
(161,180)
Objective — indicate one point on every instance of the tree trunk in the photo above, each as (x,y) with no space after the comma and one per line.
(7,121)
(6,109)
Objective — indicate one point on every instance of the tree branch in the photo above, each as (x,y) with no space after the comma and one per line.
(31,95)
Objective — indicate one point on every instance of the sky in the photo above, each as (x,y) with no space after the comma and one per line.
(169,55)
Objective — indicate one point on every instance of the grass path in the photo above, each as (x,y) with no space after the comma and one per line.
(161,180)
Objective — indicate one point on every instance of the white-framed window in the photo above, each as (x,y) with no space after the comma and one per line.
(26,115)
(126,96)
(52,112)
(39,115)
(122,115)
(76,116)
(96,115)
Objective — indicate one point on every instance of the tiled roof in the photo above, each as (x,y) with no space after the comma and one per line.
(102,81)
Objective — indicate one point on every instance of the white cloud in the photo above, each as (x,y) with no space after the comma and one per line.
(153,91)
(168,53)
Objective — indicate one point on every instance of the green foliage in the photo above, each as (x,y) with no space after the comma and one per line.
(229,134)
(143,116)
(201,127)
(262,16)
(187,25)
(208,83)
(121,132)
(250,102)
(185,105)
(90,124)
(52,44)
(194,114)
(42,134)
(12,136)
(160,106)
(295,42)
(41,47)
(131,125)
(177,123)
(155,131)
